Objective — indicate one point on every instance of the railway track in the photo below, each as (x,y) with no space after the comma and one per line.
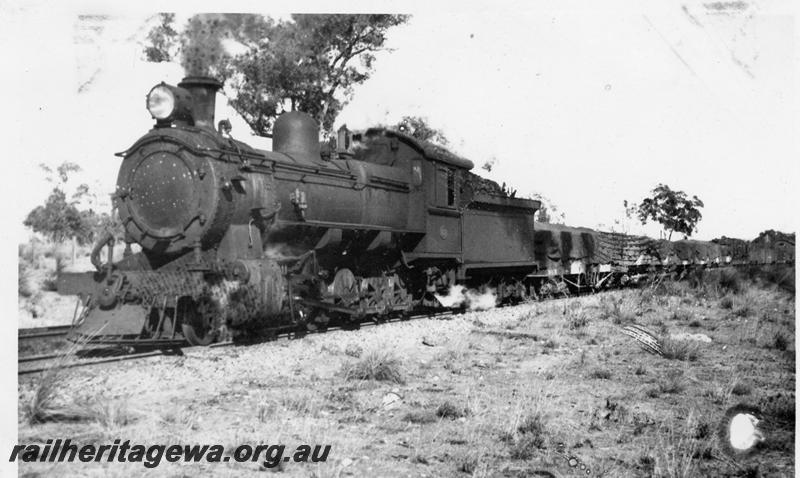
(33,364)
(43,332)
(36,364)
(124,352)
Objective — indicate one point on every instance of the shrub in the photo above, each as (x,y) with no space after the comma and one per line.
(23,280)
(782,277)
(729,281)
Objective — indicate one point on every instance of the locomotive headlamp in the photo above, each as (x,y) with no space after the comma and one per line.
(167,103)
(160,102)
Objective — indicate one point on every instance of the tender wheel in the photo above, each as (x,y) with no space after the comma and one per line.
(199,324)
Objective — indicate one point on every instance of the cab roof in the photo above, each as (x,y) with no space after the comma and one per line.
(429,150)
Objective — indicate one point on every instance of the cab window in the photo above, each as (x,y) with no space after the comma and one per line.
(446,192)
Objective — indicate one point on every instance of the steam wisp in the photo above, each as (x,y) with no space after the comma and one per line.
(458,296)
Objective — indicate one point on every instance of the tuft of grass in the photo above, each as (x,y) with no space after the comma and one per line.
(449,410)
(742,311)
(110,414)
(379,365)
(576,319)
(526,432)
(780,409)
(613,308)
(679,349)
(467,465)
(726,303)
(529,436)
(600,373)
(681,315)
(43,406)
(420,416)
(741,388)
(673,383)
(780,341)
(640,370)
(675,454)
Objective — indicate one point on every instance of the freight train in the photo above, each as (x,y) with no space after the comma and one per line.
(234,238)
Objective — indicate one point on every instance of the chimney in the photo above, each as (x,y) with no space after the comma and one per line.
(204,91)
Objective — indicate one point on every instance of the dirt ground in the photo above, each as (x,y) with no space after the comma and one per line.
(553,386)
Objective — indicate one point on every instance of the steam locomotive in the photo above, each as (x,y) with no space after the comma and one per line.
(234,238)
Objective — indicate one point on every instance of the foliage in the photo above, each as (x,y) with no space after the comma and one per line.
(418,127)
(162,40)
(672,209)
(310,63)
(59,218)
(548,212)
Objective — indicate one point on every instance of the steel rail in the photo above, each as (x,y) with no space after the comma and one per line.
(42,332)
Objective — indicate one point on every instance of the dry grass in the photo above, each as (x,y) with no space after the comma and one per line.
(681,315)
(675,452)
(421,416)
(576,318)
(529,436)
(617,310)
(480,404)
(449,410)
(673,349)
(23,280)
(600,373)
(379,365)
(46,403)
(780,340)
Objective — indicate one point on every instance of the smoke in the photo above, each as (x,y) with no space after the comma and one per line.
(458,296)
(454,298)
(481,300)
(279,252)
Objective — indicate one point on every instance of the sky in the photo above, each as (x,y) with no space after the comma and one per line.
(586,104)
